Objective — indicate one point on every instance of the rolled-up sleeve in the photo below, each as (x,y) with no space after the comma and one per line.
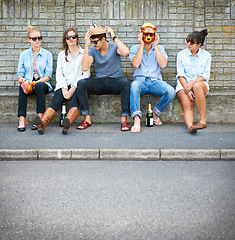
(133,51)
(207,68)
(49,66)
(21,68)
(180,67)
(60,78)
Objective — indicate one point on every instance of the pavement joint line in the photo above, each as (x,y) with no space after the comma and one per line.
(117,154)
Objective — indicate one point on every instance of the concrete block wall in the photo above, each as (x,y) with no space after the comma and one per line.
(174,19)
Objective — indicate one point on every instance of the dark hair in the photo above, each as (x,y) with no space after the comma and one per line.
(64,43)
(100,36)
(198,37)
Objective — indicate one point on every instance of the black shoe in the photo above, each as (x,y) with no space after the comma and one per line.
(34,127)
(22,129)
(37,122)
(66,126)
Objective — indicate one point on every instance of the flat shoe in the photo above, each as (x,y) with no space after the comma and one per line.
(157,122)
(83,125)
(66,126)
(135,129)
(21,129)
(37,122)
(193,129)
(125,126)
(34,127)
(200,125)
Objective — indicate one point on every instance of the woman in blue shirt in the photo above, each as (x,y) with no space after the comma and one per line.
(193,73)
(35,65)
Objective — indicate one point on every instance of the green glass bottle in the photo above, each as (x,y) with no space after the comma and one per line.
(149,116)
(63,114)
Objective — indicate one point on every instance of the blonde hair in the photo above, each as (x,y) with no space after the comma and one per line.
(32,29)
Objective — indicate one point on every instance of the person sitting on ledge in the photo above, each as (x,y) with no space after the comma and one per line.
(106,57)
(148,57)
(68,73)
(193,73)
(34,74)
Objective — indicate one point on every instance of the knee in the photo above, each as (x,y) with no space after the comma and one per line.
(38,86)
(197,87)
(188,107)
(171,93)
(81,84)
(124,83)
(134,87)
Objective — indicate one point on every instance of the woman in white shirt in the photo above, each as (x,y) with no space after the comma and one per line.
(68,73)
(193,73)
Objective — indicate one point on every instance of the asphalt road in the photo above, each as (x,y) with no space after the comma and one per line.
(109,136)
(117,200)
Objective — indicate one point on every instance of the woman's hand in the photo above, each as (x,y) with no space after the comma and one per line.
(191,96)
(21,80)
(188,87)
(65,93)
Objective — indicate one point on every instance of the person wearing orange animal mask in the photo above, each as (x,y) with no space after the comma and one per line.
(148,57)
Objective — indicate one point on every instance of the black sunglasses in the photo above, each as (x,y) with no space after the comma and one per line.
(149,34)
(36,38)
(191,42)
(95,42)
(73,37)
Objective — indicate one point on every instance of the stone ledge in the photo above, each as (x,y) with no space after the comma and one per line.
(107,108)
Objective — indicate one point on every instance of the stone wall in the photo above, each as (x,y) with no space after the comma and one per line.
(174,21)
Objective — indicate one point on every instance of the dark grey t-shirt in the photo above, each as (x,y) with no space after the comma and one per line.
(108,65)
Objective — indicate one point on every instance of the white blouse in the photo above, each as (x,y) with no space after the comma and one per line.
(69,73)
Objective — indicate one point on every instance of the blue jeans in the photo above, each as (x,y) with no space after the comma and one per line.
(141,86)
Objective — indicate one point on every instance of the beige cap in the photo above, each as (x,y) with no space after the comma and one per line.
(98,30)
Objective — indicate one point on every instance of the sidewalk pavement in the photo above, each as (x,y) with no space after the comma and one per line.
(106,142)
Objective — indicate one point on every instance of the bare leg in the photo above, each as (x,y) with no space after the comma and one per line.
(126,127)
(137,123)
(187,107)
(156,119)
(200,91)
(21,122)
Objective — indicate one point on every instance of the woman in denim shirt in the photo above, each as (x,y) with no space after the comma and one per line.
(193,73)
(35,64)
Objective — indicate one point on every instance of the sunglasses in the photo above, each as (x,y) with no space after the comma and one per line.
(95,42)
(149,34)
(36,38)
(191,43)
(73,37)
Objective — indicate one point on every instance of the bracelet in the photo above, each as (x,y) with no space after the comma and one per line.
(193,81)
(114,37)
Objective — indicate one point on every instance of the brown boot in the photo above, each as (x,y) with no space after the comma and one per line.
(67,122)
(46,119)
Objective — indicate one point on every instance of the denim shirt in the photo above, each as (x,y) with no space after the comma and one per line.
(44,65)
(192,67)
(149,66)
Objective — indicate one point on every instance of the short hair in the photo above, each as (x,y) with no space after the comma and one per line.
(100,36)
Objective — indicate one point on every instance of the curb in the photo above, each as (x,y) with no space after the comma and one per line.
(117,154)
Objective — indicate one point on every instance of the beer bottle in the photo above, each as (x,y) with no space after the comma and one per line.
(63,114)
(149,116)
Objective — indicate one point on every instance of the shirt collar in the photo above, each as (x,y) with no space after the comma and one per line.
(40,51)
(199,54)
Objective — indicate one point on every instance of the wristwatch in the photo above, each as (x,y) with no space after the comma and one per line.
(114,37)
